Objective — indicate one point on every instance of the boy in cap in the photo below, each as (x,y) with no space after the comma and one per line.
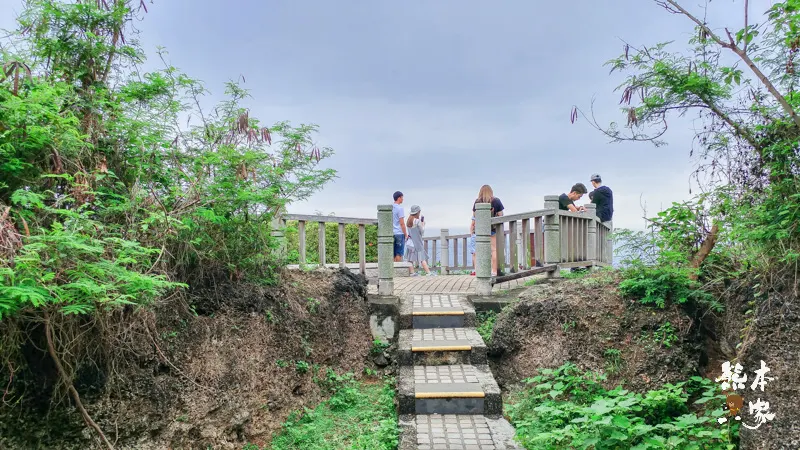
(603,198)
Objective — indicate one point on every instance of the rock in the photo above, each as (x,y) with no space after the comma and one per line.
(209,432)
(240,418)
(380,360)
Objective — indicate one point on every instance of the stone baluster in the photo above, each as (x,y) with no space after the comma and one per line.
(591,240)
(277,233)
(552,234)
(385,251)
(445,251)
(483,249)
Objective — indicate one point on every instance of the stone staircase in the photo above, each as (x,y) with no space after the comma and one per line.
(448,397)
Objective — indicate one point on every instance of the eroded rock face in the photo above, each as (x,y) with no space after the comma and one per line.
(587,322)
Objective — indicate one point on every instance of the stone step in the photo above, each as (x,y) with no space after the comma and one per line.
(451,389)
(421,311)
(438,346)
(451,431)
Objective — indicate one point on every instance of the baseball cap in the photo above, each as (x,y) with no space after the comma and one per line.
(397,195)
(595,177)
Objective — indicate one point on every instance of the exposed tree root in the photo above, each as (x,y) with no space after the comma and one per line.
(73,392)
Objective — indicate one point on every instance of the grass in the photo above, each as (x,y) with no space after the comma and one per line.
(359,415)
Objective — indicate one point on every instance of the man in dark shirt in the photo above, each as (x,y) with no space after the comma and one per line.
(603,198)
(566,202)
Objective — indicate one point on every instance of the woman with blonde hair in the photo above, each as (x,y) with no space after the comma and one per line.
(416,253)
(486,195)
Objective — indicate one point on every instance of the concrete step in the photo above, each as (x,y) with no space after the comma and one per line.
(451,431)
(421,311)
(451,389)
(438,346)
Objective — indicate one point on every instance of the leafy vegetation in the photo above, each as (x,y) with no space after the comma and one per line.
(486,321)
(741,85)
(568,408)
(110,198)
(357,415)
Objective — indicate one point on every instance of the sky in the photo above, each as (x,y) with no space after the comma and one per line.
(436,98)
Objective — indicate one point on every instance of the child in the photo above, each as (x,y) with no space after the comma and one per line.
(416,228)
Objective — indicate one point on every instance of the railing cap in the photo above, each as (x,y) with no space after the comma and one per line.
(483,206)
(551,197)
(384,207)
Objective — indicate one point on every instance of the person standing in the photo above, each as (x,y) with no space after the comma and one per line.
(486,195)
(398,226)
(603,198)
(566,202)
(416,229)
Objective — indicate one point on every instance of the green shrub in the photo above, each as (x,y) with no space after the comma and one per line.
(568,408)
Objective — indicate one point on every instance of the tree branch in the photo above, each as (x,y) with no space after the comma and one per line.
(746,8)
(740,53)
(705,249)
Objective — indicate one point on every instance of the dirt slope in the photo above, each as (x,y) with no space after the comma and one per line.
(222,369)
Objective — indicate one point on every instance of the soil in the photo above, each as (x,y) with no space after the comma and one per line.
(579,321)
(220,367)
(773,336)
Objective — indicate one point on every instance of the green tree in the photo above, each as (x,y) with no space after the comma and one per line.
(109,198)
(741,83)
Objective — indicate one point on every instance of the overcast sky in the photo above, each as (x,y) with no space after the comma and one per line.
(438,97)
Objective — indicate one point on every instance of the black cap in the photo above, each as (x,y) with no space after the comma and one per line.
(397,195)
(595,177)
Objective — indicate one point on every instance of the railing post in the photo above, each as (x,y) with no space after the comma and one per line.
(342,247)
(591,239)
(385,251)
(362,249)
(552,234)
(445,249)
(483,249)
(609,243)
(278,225)
(301,240)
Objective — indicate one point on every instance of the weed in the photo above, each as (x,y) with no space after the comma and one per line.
(378,346)
(281,363)
(250,446)
(312,305)
(486,321)
(569,408)
(665,335)
(182,418)
(301,366)
(568,325)
(356,416)
(613,361)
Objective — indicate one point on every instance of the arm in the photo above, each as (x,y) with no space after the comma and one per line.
(403,226)
(472,227)
(421,226)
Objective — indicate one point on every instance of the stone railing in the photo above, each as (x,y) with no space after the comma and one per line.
(548,237)
(303,220)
